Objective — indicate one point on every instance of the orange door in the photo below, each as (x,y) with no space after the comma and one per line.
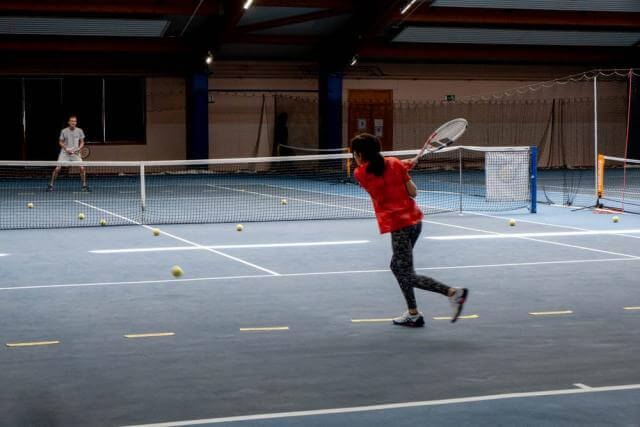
(371,111)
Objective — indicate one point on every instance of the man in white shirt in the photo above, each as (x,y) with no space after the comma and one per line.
(71,142)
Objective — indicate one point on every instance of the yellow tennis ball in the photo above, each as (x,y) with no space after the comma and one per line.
(512,222)
(155,231)
(103,222)
(176,271)
(239,227)
(30,205)
(284,202)
(80,215)
(615,219)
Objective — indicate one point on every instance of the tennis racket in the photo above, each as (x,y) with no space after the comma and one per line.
(84,152)
(444,136)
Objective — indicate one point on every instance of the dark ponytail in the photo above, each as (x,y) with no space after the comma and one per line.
(368,146)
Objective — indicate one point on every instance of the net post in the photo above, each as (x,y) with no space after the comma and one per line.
(595,130)
(599,179)
(460,176)
(533,184)
(143,193)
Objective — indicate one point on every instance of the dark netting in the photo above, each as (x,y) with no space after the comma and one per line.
(254,189)
(619,184)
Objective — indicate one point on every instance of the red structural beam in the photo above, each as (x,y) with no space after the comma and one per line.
(133,7)
(92,44)
(412,52)
(297,19)
(320,4)
(518,18)
(273,39)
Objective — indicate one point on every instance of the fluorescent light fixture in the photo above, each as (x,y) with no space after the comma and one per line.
(247,5)
(407,7)
(354,60)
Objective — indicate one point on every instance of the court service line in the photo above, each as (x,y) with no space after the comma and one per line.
(533,240)
(538,234)
(580,389)
(256,246)
(569,227)
(317,273)
(188,242)
(446,224)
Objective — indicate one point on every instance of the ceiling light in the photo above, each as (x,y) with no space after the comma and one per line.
(209,59)
(247,5)
(354,60)
(407,7)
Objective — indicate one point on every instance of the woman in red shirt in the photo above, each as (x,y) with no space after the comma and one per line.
(392,192)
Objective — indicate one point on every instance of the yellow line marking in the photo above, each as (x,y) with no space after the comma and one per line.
(159,334)
(550,313)
(31,344)
(370,320)
(275,328)
(632,308)
(468,316)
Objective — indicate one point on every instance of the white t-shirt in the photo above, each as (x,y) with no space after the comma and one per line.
(71,138)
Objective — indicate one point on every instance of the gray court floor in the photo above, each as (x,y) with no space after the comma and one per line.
(290,317)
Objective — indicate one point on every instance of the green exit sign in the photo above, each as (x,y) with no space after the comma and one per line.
(450,98)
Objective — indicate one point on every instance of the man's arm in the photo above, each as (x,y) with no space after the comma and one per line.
(61,143)
(412,190)
(80,145)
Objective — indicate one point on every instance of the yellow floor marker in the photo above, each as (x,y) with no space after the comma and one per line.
(468,316)
(31,344)
(266,329)
(158,334)
(370,320)
(632,308)
(550,313)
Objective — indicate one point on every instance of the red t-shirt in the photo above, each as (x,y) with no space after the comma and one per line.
(391,202)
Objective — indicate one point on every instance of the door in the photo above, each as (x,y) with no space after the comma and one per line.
(371,111)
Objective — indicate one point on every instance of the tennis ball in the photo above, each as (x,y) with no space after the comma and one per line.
(30,205)
(176,271)
(239,227)
(615,219)
(80,215)
(284,202)
(512,222)
(103,222)
(155,231)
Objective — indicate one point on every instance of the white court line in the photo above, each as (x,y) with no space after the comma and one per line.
(317,273)
(453,226)
(258,245)
(470,399)
(181,239)
(533,240)
(568,227)
(542,234)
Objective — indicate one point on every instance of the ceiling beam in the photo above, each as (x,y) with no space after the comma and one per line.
(370,19)
(273,39)
(459,53)
(518,18)
(93,44)
(313,16)
(126,7)
(320,4)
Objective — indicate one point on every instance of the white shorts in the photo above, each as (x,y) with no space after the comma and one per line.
(66,157)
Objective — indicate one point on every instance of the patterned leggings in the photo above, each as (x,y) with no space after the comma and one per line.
(402,242)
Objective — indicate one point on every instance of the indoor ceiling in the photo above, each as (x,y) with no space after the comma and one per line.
(174,36)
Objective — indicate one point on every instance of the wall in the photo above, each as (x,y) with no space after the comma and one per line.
(166,125)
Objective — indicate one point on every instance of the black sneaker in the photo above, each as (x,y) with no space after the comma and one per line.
(86,189)
(409,320)
(49,187)
(457,302)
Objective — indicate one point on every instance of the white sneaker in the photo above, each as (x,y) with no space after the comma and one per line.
(457,301)
(410,320)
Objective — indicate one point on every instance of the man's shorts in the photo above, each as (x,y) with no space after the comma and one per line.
(66,157)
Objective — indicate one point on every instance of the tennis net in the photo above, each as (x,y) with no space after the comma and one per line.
(619,183)
(254,189)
